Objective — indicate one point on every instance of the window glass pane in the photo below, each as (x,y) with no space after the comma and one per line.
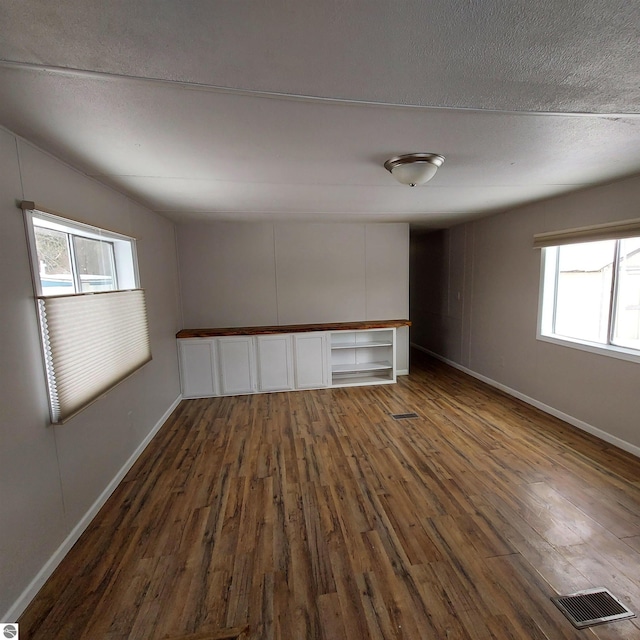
(584,290)
(627,314)
(54,266)
(94,259)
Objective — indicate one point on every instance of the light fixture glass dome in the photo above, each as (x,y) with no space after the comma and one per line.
(414,168)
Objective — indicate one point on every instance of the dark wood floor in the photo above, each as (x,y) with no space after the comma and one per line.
(315,515)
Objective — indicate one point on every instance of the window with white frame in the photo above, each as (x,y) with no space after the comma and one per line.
(71,257)
(590,292)
(92,313)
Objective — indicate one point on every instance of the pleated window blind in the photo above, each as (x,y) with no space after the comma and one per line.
(91,342)
(93,315)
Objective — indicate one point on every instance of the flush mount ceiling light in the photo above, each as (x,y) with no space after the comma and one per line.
(414,168)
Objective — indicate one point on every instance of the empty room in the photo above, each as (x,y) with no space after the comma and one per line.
(320,320)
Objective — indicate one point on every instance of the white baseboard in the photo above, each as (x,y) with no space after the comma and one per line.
(402,372)
(580,424)
(43,575)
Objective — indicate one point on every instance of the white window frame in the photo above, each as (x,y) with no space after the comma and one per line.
(546,310)
(124,248)
(93,340)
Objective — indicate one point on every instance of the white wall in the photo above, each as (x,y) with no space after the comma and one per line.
(51,476)
(249,274)
(474,301)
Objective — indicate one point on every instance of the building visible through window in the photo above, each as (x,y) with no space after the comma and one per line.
(591,293)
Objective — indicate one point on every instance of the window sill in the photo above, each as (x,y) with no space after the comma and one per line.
(610,351)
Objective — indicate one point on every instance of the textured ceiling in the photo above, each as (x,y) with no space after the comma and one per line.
(176,114)
(567,55)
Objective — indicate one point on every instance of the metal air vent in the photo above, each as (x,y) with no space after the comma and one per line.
(592,606)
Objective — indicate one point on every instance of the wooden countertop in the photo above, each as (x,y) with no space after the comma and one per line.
(291,328)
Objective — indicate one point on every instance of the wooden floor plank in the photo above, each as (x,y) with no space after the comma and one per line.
(316,516)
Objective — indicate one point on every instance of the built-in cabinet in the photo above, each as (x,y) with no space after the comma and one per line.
(240,364)
(237,365)
(198,367)
(275,362)
(312,367)
(228,366)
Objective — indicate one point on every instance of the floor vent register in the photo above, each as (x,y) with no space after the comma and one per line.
(591,607)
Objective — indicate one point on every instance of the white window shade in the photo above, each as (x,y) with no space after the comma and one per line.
(91,342)
(593,233)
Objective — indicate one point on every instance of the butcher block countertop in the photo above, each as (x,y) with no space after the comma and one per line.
(291,328)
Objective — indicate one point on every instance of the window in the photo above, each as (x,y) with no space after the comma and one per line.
(77,258)
(92,312)
(591,294)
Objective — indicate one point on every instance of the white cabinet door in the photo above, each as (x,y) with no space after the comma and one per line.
(275,362)
(235,356)
(311,360)
(197,367)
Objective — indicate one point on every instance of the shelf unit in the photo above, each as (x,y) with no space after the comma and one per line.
(363,357)
(242,360)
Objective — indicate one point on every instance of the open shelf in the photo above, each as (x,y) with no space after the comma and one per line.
(363,357)
(361,345)
(361,379)
(360,367)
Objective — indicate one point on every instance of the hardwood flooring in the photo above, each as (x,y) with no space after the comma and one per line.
(315,515)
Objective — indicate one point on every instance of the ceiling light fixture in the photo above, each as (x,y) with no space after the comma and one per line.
(414,168)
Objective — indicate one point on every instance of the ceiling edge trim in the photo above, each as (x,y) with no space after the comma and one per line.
(199,86)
